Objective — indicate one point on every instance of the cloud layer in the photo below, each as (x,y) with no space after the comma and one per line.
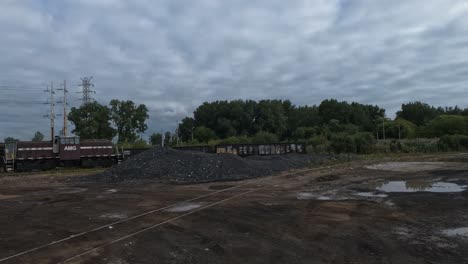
(173,55)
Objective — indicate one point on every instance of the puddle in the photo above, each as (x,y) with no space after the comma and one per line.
(111,191)
(418,186)
(6,196)
(371,194)
(71,190)
(463,231)
(407,166)
(324,198)
(304,196)
(114,216)
(220,187)
(184,208)
(328,196)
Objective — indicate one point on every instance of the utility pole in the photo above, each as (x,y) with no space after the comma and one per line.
(65,104)
(399,132)
(87,85)
(51,114)
(383,127)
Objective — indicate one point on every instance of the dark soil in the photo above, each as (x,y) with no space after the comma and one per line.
(270,225)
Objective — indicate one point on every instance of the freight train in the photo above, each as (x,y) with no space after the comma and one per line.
(61,152)
(261,149)
(244,150)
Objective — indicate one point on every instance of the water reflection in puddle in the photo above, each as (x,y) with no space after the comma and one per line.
(418,186)
(371,194)
(184,207)
(304,196)
(322,196)
(456,232)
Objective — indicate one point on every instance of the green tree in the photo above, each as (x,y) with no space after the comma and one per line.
(167,139)
(446,125)
(129,119)
(140,143)
(10,139)
(186,129)
(304,133)
(334,110)
(156,139)
(364,142)
(204,134)
(399,129)
(343,143)
(92,121)
(418,113)
(38,136)
(263,137)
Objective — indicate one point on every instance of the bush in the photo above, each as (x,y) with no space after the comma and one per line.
(265,138)
(364,143)
(453,143)
(420,145)
(204,134)
(446,125)
(303,133)
(400,128)
(318,144)
(139,143)
(235,140)
(343,143)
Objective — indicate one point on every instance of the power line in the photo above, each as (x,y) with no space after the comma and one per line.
(19,88)
(20,102)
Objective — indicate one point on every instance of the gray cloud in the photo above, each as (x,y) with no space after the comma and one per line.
(174,55)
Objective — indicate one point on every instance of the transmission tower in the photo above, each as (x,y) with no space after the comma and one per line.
(87,85)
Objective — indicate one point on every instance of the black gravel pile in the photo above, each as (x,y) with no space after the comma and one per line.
(183,167)
(169,165)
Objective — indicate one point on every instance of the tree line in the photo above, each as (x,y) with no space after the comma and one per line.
(336,125)
(333,125)
(224,119)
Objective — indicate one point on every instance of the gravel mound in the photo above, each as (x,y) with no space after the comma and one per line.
(182,167)
(169,165)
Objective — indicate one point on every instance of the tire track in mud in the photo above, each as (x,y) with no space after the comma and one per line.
(163,213)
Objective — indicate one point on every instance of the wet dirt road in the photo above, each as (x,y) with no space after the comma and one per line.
(387,212)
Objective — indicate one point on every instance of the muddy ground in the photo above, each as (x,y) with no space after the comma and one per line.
(341,214)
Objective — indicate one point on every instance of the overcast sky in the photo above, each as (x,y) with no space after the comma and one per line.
(172,55)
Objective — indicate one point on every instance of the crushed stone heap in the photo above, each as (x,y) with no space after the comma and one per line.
(169,165)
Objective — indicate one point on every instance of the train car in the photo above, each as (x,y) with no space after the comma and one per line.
(97,153)
(2,159)
(61,152)
(199,148)
(261,149)
(30,155)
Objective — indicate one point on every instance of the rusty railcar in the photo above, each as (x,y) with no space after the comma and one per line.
(261,149)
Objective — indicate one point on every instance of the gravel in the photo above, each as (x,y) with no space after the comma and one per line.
(169,165)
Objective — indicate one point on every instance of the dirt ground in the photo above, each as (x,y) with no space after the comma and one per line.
(339,214)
